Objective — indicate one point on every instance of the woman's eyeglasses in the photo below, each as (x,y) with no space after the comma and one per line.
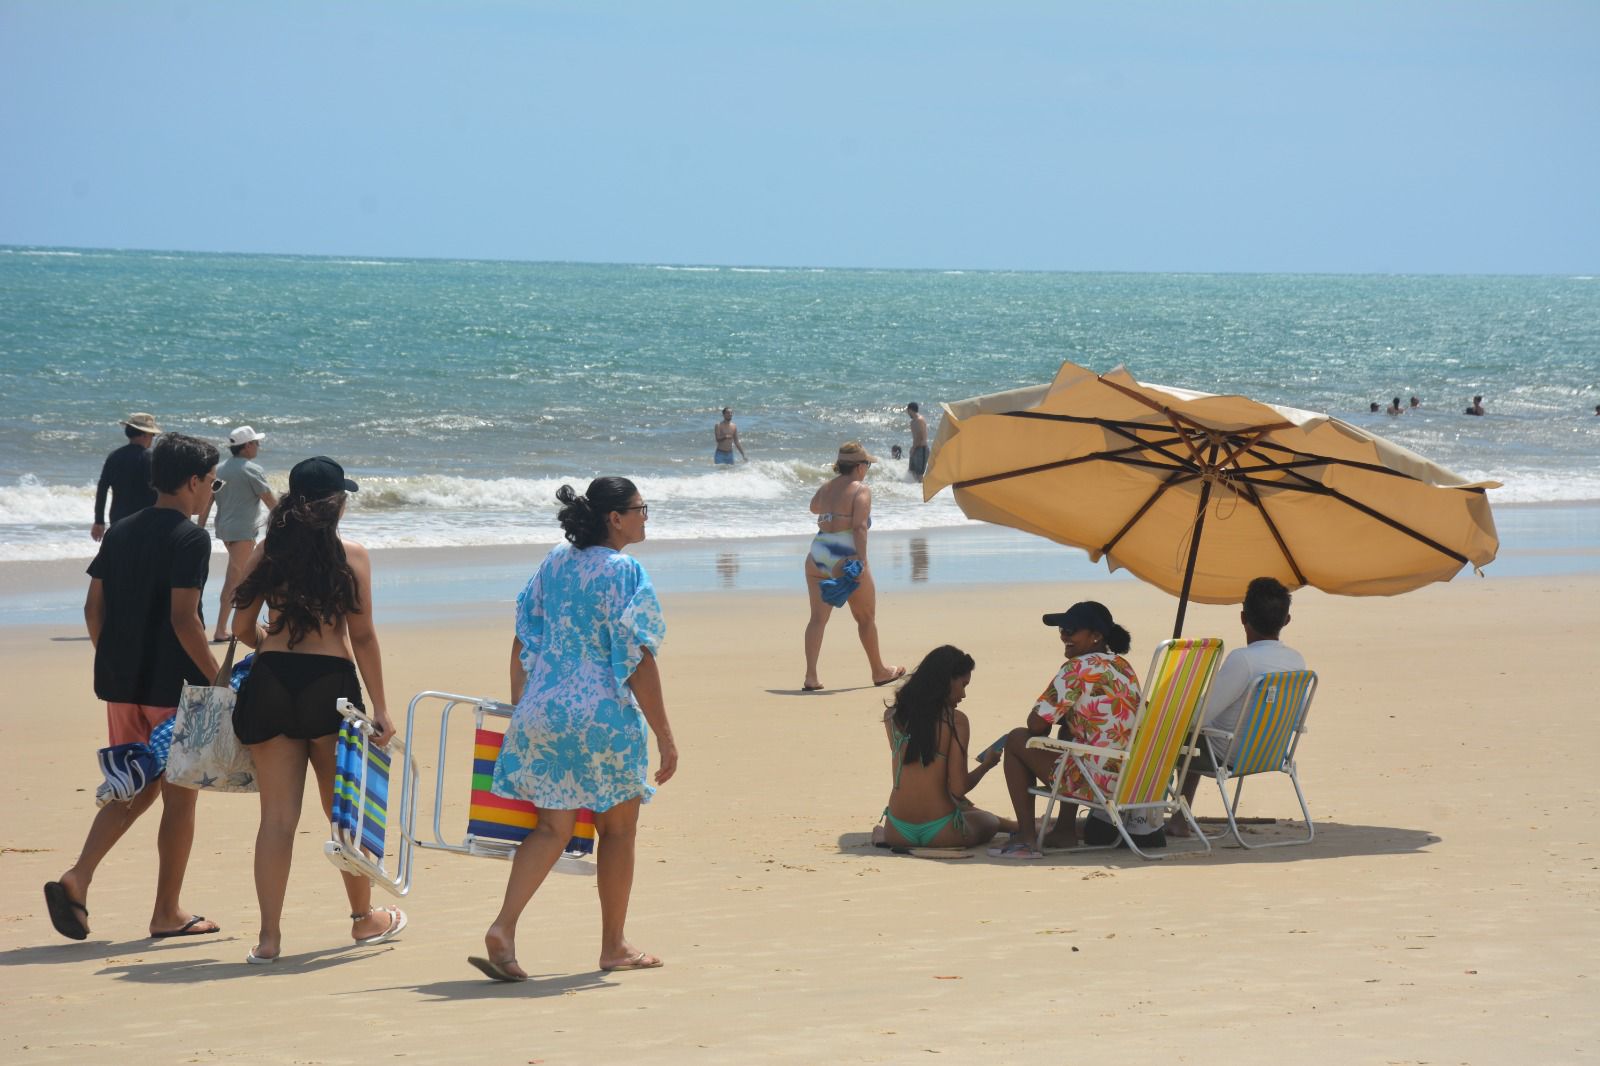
(643,509)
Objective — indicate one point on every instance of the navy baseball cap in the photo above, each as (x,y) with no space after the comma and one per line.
(319,477)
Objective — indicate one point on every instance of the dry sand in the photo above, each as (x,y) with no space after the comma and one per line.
(1446,913)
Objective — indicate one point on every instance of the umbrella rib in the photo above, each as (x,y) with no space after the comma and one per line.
(1272,527)
(1119,455)
(1324,490)
(1172,479)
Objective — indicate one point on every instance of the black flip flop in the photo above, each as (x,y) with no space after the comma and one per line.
(899,673)
(188,929)
(62,909)
(495,971)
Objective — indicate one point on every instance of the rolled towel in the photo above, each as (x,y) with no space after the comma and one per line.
(836,590)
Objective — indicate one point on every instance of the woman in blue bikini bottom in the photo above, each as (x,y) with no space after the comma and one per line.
(928,739)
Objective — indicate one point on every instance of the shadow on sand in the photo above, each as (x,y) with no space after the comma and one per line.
(537,986)
(1334,840)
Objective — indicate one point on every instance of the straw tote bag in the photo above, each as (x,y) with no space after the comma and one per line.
(205,752)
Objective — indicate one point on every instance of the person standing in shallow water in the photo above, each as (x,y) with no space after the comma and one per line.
(587,689)
(726,434)
(917,459)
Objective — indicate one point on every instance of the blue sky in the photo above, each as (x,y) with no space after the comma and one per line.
(1183,136)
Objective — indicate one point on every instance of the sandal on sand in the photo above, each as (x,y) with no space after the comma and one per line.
(811,688)
(1015,850)
(639,960)
(188,929)
(496,971)
(62,907)
(397,922)
(899,672)
(260,960)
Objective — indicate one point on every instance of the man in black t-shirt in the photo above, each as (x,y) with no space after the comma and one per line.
(143,615)
(126,474)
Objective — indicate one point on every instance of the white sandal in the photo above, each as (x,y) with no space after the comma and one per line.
(397,923)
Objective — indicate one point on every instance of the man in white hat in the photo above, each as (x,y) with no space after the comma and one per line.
(244,489)
(126,474)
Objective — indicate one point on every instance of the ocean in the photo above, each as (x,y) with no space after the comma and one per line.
(461,394)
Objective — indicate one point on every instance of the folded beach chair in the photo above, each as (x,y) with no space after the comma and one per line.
(361,803)
(1263,741)
(1142,773)
(494,825)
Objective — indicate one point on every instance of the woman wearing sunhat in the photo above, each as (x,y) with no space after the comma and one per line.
(838,555)
(1093,699)
(317,589)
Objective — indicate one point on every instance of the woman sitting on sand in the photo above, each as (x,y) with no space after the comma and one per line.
(928,741)
(318,590)
(587,690)
(1094,698)
(844,513)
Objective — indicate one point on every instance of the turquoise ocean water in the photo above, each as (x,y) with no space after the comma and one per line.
(461,393)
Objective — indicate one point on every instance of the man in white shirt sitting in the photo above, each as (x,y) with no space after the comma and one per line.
(1265,613)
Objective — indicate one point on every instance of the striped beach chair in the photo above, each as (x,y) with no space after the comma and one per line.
(494,825)
(360,815)
(1263,741)
(1159,745)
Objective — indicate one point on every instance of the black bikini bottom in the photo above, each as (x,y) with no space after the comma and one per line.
(290,694)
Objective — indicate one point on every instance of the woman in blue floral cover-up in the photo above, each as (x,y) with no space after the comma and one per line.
(586,686)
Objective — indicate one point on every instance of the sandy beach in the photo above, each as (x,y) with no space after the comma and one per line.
(1446,912)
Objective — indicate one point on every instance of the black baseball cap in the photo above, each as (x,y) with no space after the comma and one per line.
(319,477)
(1087,614)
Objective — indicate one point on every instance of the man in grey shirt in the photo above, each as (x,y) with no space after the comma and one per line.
(238,503)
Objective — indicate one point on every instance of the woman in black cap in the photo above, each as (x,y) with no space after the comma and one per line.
(1093,698)
(317,588)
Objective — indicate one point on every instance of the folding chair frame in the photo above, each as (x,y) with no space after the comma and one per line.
(1073,754)
(468,843)
(1222,746)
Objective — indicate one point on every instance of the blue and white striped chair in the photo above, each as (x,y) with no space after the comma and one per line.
(1263,741)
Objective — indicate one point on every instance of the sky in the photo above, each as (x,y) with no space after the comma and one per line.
(1399,136)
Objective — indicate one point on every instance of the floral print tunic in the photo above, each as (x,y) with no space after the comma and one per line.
(1096,697)
(577,737)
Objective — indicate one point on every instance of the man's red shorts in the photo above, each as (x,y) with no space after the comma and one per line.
(130,723)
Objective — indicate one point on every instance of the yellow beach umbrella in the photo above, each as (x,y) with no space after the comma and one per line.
(1198,494)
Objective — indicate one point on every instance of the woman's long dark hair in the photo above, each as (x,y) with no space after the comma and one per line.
(303,573)
(585,519)
(922,704)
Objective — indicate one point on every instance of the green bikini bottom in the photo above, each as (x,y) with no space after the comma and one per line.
(920,834)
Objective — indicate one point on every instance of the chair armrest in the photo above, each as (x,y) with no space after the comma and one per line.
(1064,747)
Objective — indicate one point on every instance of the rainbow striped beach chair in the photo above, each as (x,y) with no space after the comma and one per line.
(1263,741)
(360,817)
(494,825)
(1165,731)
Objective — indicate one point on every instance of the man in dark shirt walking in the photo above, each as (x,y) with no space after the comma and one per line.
(143,615)
(126,474)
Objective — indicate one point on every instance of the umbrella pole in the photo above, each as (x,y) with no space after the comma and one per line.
(1194,553)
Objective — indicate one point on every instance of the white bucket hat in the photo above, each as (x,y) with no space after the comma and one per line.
(244,435)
